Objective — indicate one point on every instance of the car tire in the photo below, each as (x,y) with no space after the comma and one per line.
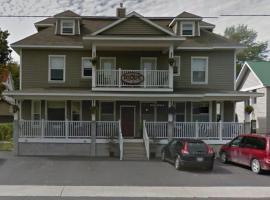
(177,164)
(255,166)
(163,157)
(224,158)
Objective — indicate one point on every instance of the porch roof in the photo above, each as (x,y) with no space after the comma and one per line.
(177,95)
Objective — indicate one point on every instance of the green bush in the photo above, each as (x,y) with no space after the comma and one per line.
(6,132)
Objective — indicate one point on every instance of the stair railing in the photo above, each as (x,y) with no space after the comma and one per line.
(121,141)
(146,141)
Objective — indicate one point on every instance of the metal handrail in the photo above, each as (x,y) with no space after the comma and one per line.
(146,141)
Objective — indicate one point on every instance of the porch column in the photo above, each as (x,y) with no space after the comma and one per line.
(170,122)
(222,111)
(94,55)
(93,131)
(171,55)
(16,129)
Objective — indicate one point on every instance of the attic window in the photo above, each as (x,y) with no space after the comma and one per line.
(187,29)
(67,27)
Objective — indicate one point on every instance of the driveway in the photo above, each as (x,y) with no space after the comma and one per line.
(72,171)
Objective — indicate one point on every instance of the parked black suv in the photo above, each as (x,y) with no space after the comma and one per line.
(189,153)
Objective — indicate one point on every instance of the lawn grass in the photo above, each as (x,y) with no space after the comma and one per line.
(7,146)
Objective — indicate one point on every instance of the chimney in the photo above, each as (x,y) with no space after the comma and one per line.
(121,12)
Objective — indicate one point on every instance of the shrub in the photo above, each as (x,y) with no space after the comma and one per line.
(249,109)
(6,132)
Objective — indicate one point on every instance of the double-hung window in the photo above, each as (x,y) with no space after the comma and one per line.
(86,67)
(36,110)
(75,110)
(199,70)
(57,68)
(187,28)
(200,111)
(67,27)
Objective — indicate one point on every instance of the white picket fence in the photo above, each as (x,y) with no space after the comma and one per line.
(201,130)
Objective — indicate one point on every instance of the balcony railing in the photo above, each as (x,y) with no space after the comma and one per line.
(132,79)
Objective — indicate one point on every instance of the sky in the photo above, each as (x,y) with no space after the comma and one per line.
(20,28)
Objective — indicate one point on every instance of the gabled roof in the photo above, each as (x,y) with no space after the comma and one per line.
(261,70)
(67,13)
(187,15)
(134,14)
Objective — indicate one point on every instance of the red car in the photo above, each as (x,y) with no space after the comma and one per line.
(252,150)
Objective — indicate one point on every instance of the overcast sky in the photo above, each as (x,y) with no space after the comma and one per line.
(22,27)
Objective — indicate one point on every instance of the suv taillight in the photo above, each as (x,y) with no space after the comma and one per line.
(185,149)
(210,150)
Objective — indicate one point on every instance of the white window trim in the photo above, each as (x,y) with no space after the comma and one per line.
(154,58)
(80,110)
(206,71)
(107,58)
(73,28)
(82,68)
(193,29)
(49,69)
(179,66)
(32,108)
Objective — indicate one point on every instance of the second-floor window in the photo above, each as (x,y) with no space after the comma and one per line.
(67,27)
(86,67)
(57,68)
(187,29)
(199,70)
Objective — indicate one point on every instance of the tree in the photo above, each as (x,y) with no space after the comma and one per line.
(5,51)
(255,50)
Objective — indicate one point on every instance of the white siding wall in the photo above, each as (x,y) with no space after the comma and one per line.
(249,81)
(240,111)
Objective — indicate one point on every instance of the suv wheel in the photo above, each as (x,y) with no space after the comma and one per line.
(256,166)
(177,163)
(223,157)
(163,156)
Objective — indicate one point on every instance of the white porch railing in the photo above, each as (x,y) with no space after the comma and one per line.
(146,141)
(54,129)
(121,141)
(132,79)
(200,130)
(107,129)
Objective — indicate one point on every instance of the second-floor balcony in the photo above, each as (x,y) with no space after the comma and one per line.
(132,80)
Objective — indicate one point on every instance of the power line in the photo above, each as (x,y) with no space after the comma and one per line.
(247,15)
(38,16)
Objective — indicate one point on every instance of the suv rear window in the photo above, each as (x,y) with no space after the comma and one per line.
(254,143)
(194,147)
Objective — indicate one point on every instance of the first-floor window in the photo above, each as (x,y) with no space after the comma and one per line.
(180,112)
(57,68)
(86,67)
(56,110)
(200,111)
(75,110)
(107,111)
(199,70)
(36,110)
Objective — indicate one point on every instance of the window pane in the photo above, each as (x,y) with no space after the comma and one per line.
(107,107)
(187,32)
(200,112)
(57,62)
(87,63)
(199,66)
(180,118)
(57,74)
(187,29)
(180,107)
(67,30)
(198,76)
(87,72)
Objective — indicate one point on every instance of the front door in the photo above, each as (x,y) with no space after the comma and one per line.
(128,121)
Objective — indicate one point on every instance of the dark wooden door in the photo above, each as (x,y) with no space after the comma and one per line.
(127,121)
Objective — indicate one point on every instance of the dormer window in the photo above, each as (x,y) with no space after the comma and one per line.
(67,27)
(187,28)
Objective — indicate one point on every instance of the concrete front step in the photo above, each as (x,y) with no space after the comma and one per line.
(134,151)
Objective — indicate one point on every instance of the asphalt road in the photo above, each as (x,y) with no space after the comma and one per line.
(103,172)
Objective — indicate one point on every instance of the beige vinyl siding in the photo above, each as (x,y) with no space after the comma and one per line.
(249,81)
(35,69)
(220,69)
(133,26)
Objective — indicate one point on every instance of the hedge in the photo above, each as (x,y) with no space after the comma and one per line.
(6,132)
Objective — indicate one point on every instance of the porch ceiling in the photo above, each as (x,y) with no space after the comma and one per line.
(177,95)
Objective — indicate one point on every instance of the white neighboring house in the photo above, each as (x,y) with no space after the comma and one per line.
(255,77)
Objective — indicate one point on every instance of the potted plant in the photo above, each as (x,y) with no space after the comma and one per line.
(172,110)
(94,61)
(249,109)
(171,61)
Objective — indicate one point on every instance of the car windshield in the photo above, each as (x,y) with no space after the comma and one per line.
(194,147)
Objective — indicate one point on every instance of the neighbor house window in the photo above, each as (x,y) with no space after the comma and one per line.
(200,111)
(107,111)
(67,27)
(57,68)
(75,110)
(180,112)
(36,110)
(86,67)
(176,67)
(199,70)
(187,29)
